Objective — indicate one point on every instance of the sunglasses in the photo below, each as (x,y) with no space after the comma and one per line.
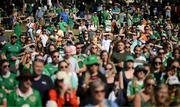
(94,47)
(63,67)
(158,62)
(14,37)
(108,68)
(23,37)
(78,47)
(61,80)
(99,91)
(149,84)
(161,53)
(26,78)
(6,66)
(55,56)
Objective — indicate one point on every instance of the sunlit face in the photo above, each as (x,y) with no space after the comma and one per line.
(13,39)
(94,68)
(23,39)
(158,63)
(120,46)
(149,86)
(129,64)
(137,51)
(38,67)
(140,75)
(5,68)
(108,67)
(78,49)
(99,94)
(27,83)
(176,54)
(55,57)
(104,56)
(94,49)
(162,95)
(63,66)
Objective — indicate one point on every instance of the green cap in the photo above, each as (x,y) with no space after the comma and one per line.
(90,60)
(129,58)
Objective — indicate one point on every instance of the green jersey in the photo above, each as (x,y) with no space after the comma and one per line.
(80,58)
(50,69)
(62,26)
(95,20)
(2,96)
(8,81)
(17,29)
(17,99)
(134,87)
(11,50)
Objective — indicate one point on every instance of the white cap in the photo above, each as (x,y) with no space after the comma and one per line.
(173,80)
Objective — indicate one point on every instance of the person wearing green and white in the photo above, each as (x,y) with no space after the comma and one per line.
(24,95)
(136,85)
(11,50)
(7,79)
(108,24)
(51,68)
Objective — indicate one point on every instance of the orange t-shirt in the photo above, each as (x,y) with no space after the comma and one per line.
(61,101)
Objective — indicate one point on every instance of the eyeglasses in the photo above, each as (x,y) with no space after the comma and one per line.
(63,67)
(6,66)
(99,91)
(23,37)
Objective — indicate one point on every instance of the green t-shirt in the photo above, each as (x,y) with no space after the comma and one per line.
(17,29)
(95,20)
(9,81)
(71,22)
(62,26)
(15,100)
(134,87)
(50,69)
(11,50)
(80,58)
(2,96)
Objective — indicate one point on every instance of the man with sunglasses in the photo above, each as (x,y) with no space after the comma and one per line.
(97,96)
(22,40)
(11,50)
(24,95)
(7,79)
(51,68)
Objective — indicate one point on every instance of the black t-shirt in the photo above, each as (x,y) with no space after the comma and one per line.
(119,57)
(43,85)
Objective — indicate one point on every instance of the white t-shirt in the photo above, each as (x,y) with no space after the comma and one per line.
(44,39)
(106,44)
